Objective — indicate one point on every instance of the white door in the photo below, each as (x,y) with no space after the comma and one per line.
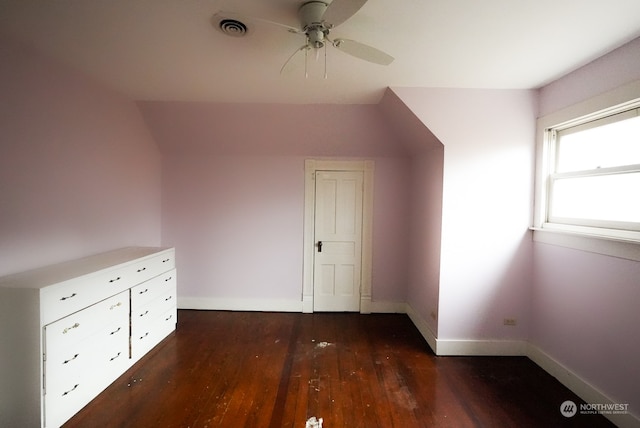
(338,241)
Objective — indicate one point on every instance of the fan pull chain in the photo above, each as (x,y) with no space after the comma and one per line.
(306,57)
(325,61)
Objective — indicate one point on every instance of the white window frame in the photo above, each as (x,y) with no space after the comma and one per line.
(613,239)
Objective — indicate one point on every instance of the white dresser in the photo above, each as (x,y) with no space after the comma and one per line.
(68,331)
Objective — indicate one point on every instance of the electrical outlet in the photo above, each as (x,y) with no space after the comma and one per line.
(510,322)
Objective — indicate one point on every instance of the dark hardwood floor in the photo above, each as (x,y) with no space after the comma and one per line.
(252,369)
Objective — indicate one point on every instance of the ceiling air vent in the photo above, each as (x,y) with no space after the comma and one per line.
(232,27)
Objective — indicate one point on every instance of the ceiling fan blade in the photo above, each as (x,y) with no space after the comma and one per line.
(339,11)
(287,65)
(362,51)
(222,15)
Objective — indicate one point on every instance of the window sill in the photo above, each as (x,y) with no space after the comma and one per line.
(611,246)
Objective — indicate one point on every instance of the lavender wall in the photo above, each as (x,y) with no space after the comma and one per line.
(425,221)
(79,173)
(236,223)
(585,306)
(233,182)
(485,258)
(391,230)
(426,226)
(585,316)
(602,75)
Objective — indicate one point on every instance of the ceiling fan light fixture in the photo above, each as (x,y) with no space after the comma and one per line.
(316,37)
(317,19)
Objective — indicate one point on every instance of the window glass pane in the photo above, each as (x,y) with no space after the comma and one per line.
(614,144)
(601,197)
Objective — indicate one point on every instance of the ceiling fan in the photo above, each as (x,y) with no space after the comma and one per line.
(317,19)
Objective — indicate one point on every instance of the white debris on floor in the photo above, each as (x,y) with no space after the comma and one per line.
(312,422)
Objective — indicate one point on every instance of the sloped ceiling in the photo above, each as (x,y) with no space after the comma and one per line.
(168,49)
(413,133)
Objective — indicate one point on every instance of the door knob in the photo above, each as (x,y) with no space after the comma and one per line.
(319,246)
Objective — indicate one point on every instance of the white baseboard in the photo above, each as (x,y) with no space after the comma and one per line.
(265,305)
(466,347)
(365,304)
(307,304)
(423,328)
(448,347)
(225,304)
(498,348)
(579,386)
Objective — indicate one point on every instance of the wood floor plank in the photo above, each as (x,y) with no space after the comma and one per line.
(273,370)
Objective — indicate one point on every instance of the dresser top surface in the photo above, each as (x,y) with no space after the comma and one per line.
(45,276)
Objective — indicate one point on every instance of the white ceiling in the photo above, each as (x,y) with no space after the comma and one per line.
(168,49)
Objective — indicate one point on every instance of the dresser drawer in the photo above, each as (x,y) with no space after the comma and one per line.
(64,334)
(149,335)
(78,362)
(67,297)
(169,319)
(152,266)
(131,274)
(152,289)
(152,322)
(144,317)
(60,406)
(96,362)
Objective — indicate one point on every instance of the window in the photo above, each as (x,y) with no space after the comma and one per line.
(593,174)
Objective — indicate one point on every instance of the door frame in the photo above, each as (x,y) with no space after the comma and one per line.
(311,166)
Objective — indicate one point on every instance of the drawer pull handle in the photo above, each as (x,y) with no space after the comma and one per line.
(114,280)
(143,291)
(141,270)
(115,331)
(169,317)
(144,335)
(113,358)
(145,313)
(165,260)
(68,329)
(71,359)
(115,306)
(68,297)
(71,390)
(168,298)
(168,279)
